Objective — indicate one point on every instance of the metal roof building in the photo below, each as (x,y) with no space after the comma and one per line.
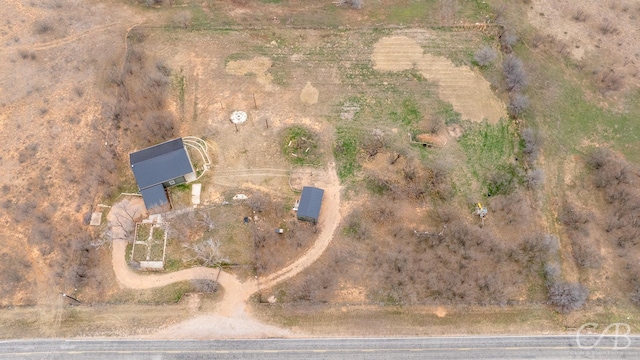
(310,204)
(159,167)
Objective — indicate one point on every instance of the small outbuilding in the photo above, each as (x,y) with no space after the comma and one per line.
(310,204)
(158,167)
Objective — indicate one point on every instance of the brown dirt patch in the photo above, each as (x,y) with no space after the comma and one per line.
(309,94)
(257,66)
(468,92)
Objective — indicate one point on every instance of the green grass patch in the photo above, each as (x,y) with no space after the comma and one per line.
(179,83)
(300,146)
(164,295)
(491,152)
(410,12)
(407,113)
(345,151)
(142,232)
(236,57)
(211,19)
(573,119)
(157,249)
(158,233)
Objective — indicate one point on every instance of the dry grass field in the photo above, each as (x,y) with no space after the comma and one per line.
(535,104)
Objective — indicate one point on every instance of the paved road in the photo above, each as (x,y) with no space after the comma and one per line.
(513,347)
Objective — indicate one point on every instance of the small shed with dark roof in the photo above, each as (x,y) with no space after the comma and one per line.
(159,167)
(310,204)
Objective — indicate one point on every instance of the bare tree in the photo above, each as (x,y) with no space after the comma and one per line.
(507,40)
(532,143)
(514,73)
(354,4)
(568,297)
(485,56)
(374,143)
(535,178)
(206,253)
(517,105)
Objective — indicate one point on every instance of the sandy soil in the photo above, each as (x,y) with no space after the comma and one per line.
(309,94)
(468,92)
(257,66)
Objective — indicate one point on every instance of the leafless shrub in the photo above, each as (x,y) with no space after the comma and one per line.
(356,4)
(533,250)
(374,143)
(448,10)
(535,178)
(532,144)
(485,56)
(580,15)
(635,296)
(517,105)
(610,80)
(584,252)
(42,27)
(608,27)
(182,19)
(507,40)
(614,223)
(257,202)
(435,124)
(27,55)
(537,40)
(28,153)
(608,171)
(446,215)
(513,207)
(204,285)
(379,185)
(156,126)
(514,73)
(13,272)
(568,297)
(552,273)
(164,69)
(381,213)
(41,237)
(355,227)
(438,182)
(573,218)
(599,158)
(153,2)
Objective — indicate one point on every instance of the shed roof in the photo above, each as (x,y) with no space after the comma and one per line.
(310,203)
(159,163)
(155,197)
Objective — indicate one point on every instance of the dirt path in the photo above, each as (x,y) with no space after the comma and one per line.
(230,318)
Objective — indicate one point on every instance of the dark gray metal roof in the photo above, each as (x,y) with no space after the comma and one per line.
(310,203)
(154,197)
(159,163)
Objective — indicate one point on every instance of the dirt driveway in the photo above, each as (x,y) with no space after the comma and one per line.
(230,318)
